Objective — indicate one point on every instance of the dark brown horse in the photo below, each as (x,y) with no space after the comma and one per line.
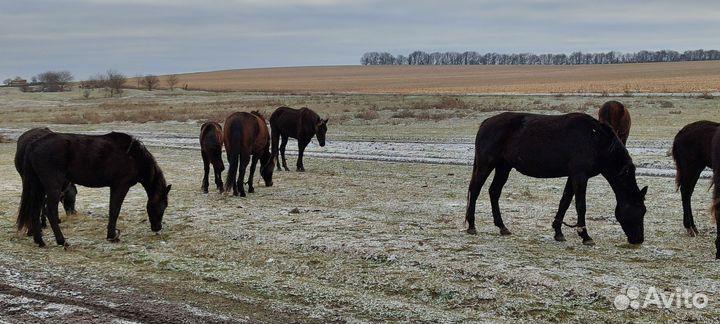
(691,151)
(716,192)
(211,142)
(615,114)
(114,160)
(68,195)
(301,124)
(246,135)
(574,145)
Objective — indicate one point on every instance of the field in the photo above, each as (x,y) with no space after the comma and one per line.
(372,232)
(681,77)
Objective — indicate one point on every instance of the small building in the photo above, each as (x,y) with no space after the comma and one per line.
(18,83)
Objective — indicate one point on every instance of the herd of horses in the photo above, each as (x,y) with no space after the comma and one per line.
(574,145)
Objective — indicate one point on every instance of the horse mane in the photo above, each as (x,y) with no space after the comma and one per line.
(148,167)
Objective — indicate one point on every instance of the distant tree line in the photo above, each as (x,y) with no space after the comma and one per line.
(475,58)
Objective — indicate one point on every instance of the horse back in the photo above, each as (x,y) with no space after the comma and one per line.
(211,136)
(544,146)
(24,140)
(88,160)
(694,143)
(243,131)
(618,117)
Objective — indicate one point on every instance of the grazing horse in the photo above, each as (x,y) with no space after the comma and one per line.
(246,135)
(211,142)
(114,160)
(615,114)
(716,192)
(301,124)
(574,145)
(691,151)
(68,195)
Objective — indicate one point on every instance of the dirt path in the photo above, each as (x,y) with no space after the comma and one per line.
(68,296)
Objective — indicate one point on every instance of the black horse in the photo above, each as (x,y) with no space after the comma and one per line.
(246,135)
(114,160)
(68,195)
(691,151)
(574,145)
(301,124)
(716,192)
(211,142)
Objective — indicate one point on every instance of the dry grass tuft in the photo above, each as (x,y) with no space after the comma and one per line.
(368,114)
(4,139)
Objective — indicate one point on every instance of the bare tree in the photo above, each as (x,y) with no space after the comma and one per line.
(115,81)
(150,82)
(171,81)
(54,81)
(7,81)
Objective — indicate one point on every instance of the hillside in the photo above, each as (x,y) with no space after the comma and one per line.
(616,78)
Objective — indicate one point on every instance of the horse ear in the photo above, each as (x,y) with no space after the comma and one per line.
(643,192)
(326,120)
(167,189)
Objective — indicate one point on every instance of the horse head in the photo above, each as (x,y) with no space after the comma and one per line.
(320,130)
(630,209)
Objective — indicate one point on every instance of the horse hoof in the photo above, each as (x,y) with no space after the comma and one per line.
(41,244)
(471,231)
(62,243)
(505,232)
(691,232)
(560,238)
(588,242)
(287,169)
(251,190)
(301,170)
(242,195)
(204,190)
(66,246)
(115,238)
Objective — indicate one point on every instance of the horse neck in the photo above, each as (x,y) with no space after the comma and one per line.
(624,186)
(148,172)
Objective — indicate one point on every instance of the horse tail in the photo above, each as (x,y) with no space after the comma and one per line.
(675,151)
(31,200)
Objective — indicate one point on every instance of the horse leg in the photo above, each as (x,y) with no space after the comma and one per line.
(564,205)
(282,152)
(275,142)
(206,171)
(687,186)
(480,174)
(68,199)
(501,176)
(53,199)
(244,160)
(232,173)
(253,164)
(580,187)
(218,168)
(117,195)
(301,151)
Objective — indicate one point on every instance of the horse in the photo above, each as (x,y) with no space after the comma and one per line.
(301,124)
(615,114)
(68,195)
(573,145)
(715,208)
(115,160)
(246,135)
(691,151)
(211,142)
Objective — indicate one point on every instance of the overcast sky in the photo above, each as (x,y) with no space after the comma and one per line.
(175,36)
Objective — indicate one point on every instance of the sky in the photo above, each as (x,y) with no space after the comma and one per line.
(136,37)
